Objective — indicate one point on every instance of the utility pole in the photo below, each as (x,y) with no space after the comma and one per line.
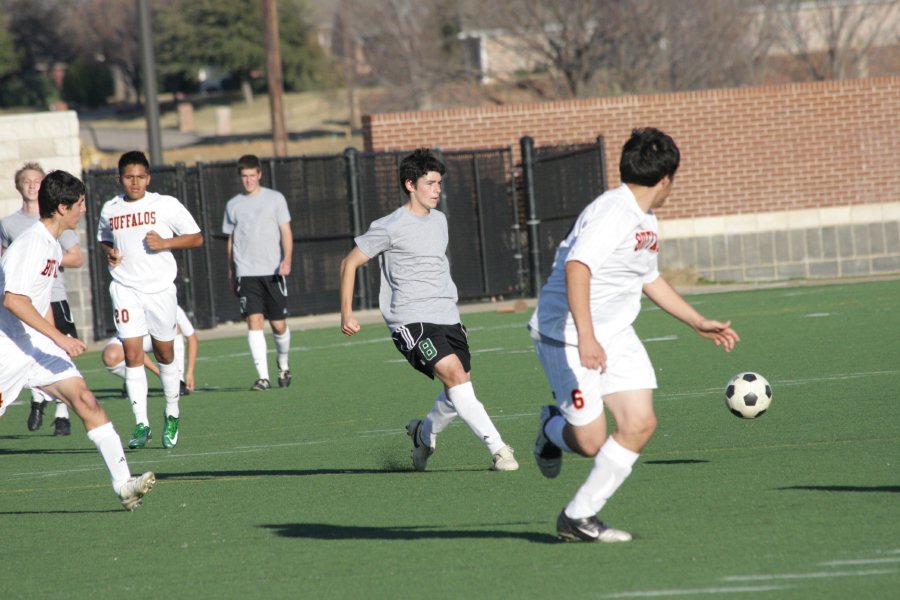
(349,63)
(151,100)
(274,76)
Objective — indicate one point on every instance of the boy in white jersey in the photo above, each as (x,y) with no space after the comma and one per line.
(36,354)
(113,355)
(583,335)
(260,246)
(138,231)
(418,302)
(28,182)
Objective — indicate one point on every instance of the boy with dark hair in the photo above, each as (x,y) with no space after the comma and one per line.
(260,248)
(37,354)
(584,339)
(418,302)
(28,183)
(138,231)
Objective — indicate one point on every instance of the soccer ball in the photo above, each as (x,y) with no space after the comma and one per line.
(748,395)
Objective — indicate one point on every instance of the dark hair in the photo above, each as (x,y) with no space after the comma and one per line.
(249,161)
(418,164)
(648,156)
(58,187)
(134,157)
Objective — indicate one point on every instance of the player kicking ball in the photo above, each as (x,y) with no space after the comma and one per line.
(36,354)
(584,339)
(138,231)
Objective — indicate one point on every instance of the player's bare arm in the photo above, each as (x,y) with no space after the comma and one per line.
(156,242)
(578,282)
(287,248)
(73,258)
(193,347)
(22,308)
(667,298)
(354,260)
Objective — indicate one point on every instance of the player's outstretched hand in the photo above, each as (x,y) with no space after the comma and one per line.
(349,325)
(155,241)
(114,257)
(592,354)
(720,333)
(72,346)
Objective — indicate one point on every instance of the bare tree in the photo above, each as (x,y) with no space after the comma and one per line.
(834,40)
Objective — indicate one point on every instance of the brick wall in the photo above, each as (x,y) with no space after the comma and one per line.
(745,150)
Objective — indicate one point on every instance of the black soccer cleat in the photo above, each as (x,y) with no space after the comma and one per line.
(589,529)
(61,426)
(183,389)
(36,416)
(260,385)
(284,377)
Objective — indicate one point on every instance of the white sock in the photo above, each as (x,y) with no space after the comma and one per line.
(472,412)
(40,396)
(440,416)
(168,374)
(118,369)
(612,465)
(257,340)
(178,348)
(136,384)
(282,348)
(553,429)
(110,447)
(62,410)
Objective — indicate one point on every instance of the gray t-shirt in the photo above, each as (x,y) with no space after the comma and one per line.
(12,227)
(253,222)
(416,286)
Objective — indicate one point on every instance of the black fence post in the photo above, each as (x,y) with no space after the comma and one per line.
(601,148)
(91,226)
(533,222)
(187,276)
(516,227)
(351,157)
(207,250)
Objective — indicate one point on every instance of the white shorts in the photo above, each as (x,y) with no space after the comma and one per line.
(31,363)
(137,314)
(579,391)
(116,341)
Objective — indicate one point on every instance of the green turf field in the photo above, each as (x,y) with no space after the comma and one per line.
(308,492)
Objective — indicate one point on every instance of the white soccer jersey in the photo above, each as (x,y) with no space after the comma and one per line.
(618,242)
(125,224)
(29,267)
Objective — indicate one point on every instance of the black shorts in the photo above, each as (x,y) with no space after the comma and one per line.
(62,318)
(266,295)
(424,344)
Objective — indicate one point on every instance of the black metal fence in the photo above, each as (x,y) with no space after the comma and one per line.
(333,198)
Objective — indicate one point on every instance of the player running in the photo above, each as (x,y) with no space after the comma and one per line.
(33,351)
(583,335)
(138,231)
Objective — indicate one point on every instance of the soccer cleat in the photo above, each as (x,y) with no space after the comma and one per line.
(589,529)
(260,385)
(134,490)
(420,452)
(36,416)
(140,436)
(547,454)
(61,426)
(170,433)
(504,460)
(284,377)
(183,389)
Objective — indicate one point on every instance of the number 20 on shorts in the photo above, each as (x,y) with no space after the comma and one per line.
(121,316)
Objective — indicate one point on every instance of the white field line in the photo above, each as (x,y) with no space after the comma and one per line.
(695,591)
(862,561)
(816,575)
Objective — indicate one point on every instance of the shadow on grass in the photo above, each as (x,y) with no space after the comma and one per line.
(206,475)
(322,531)
(45,451)
(676,461)
(62,512)
(893,489)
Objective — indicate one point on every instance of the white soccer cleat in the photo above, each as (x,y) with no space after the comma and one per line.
(134,490)
(505,460)
(420,452)
(589,529)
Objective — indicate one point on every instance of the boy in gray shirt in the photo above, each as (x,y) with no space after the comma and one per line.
(28,182)
(260,245)
(418,302)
